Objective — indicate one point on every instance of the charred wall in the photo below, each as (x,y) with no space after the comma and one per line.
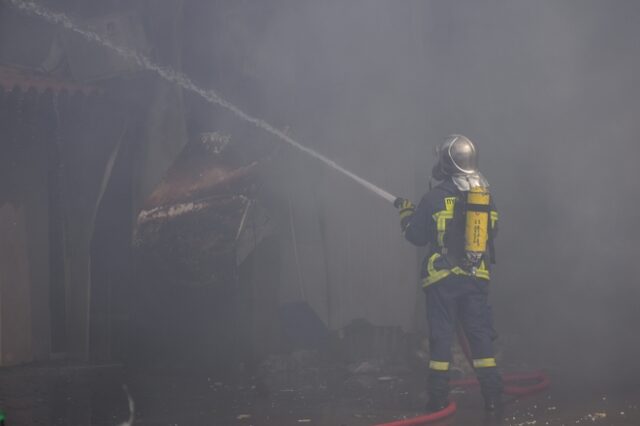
(65,129)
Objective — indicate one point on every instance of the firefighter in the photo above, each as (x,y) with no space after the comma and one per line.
(458,220)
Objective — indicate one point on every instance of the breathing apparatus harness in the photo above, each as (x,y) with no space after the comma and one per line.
(473,209)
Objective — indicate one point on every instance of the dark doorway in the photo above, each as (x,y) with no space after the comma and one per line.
(111,262)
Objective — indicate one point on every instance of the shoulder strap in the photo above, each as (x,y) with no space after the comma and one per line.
(492,249)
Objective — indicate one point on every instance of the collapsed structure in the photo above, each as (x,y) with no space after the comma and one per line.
(154,222)
(85,137)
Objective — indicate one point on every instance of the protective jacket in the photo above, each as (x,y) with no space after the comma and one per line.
(439,221)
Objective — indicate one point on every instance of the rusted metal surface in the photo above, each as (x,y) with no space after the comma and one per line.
(202,220)
(185,185)
(11,77)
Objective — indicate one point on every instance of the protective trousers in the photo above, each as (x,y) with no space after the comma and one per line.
(461,298)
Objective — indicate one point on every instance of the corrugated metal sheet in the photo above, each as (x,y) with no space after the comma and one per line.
(11,77)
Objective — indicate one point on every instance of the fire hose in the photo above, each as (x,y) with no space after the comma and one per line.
(514,386)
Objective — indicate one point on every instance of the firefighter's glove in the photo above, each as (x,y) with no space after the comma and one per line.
(406,210)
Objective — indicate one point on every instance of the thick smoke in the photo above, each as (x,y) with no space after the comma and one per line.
(547,89)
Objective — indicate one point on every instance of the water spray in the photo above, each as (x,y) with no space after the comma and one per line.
(186,83)
(541,379)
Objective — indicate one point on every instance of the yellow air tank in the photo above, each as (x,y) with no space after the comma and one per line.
(477,222)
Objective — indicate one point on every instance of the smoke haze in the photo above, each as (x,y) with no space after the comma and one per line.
(547,89)
(549,92)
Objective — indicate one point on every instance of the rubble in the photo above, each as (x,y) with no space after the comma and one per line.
(203,220)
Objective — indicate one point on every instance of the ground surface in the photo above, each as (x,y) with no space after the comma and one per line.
(90,396)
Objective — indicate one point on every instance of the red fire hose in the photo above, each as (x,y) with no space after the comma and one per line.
(512,387)
(426,419)
(541,378)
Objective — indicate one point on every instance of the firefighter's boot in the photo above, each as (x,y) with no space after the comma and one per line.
(438,391)
(492,387)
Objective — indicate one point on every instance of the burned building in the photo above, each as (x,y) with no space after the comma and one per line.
(154,212)
(80,154)
(152,201)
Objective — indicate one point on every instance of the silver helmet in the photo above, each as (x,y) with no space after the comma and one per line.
(457,155)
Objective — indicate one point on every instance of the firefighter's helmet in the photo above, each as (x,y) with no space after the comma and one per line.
(457,155)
